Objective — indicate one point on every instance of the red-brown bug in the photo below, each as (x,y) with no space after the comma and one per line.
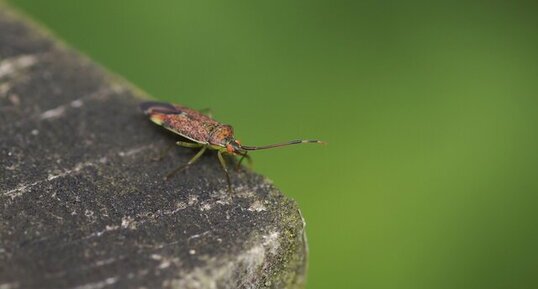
(204,132)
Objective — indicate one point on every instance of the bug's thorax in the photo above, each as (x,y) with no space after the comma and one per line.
(222,139)
(221,135)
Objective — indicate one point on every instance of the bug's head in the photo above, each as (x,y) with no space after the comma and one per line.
(234,147)
(223,137)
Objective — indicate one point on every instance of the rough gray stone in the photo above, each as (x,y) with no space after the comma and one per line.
(84,206)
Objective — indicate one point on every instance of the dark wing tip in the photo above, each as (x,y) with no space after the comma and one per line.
(155,106)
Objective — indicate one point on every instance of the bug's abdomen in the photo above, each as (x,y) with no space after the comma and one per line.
(195,129)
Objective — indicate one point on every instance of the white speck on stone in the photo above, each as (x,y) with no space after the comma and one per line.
(52,177)
(243,192)
(257,206)
(111,228)
(128,222)
(192,251)
(53,113)
(78,167)
(13,65)
(108,228)
(196,236)
(164,264)
(77,103)
(100,284)
(60,110)
(12,285)
(14,99)
(205,207)
(156,257)
(34,132)
(181,205)
(193,199)
(132,151)
(221,202)
(271,242)
(103,262)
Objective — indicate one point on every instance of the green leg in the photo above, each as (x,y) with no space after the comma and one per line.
(249,159)
(189,144)
(179,143)
(182,167)
(223,164)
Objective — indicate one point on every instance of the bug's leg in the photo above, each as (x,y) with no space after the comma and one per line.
(182,167)
(207,111)
(189,144)
(249,160)
(223,165)
(179,143)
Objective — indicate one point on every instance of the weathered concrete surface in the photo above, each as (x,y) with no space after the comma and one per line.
(83,206)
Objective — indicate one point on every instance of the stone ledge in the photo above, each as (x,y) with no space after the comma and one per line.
(83,205)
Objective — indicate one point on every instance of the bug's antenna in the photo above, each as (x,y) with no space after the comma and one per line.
(298,141)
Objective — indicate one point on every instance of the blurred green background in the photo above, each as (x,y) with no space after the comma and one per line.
(430,110)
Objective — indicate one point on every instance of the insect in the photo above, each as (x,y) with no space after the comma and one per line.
(203,132)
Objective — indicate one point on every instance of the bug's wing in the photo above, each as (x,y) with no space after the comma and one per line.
(149,107)
(183,125)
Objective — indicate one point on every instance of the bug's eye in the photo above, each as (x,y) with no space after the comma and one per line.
(229,148)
